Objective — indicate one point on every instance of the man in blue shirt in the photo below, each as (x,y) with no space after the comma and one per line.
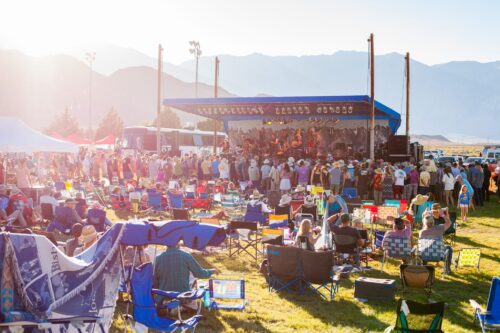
(335,178)
(477,179)
(215,167)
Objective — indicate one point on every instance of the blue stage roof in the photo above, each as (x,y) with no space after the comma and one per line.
(297,107)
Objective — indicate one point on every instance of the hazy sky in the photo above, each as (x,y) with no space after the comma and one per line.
(433,31)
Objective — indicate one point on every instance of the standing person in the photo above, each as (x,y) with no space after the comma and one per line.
(286,175)
(224,169)
(399,182)
(486,182)
(387,184)
(463,202)
(316,174)
(335,178)
(254,174)
(265,171)
(449,183)
(23,178)
(302,174)
(424,181)
(205,168)
(413,179)
(215,167)
(378,177)
(439,187)
(274,176)
(477,179)
(347,180)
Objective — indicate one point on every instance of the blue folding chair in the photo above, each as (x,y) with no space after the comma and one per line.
(227,294)
(63,220)
(60,186)
(97,218)
(489,319)
(175,200)
(145,309)
(154,201)
(350,192)
(4,203)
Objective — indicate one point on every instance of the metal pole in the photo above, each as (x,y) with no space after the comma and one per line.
(407,58)
(158,105)
(372,99)
(216,91)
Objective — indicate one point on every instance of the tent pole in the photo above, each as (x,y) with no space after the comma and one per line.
(216,92)
(372,98)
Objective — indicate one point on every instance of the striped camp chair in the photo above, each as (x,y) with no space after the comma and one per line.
(397,248)
(431,250)
(278,221)
(469,257)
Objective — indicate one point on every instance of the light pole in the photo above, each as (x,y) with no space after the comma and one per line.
(196,51)
(90,57)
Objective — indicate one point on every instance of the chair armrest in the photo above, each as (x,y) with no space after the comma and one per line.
(192,294)
(169,294)
(476,305)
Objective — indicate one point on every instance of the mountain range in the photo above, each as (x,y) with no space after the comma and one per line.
(456,97)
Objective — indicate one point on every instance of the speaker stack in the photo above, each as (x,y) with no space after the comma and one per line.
(396,148)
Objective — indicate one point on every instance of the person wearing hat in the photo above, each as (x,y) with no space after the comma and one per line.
(400,229)
(88,238)
(298,193)
(335,177)
(432,230)
(265,171)
(308,207)
(19,203)
(256,209)
(424,181)
(254,174)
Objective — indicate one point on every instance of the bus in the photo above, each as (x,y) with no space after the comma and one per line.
(172,140)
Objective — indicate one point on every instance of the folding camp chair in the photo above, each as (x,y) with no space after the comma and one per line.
(145,309)
(301,217)
(469,257)
(313,210)
(432,250)
(62,220)
(283,210)
(175,200)
(273,198)
(489,319)
(317,191)
(392,203)
(227,294)
(346,247)
(417,317)
(349,192)
(230,200)
(272,237)
(254,214)
(451,233)
(154,202)
(47,212)
(317,269)
(180,214)
(295,204)
(60,186)
(243,237)
(397,248)
(379,237)
(417,276)
(283,268)
(97,218)
(384,212)
(367,249)
(278,221)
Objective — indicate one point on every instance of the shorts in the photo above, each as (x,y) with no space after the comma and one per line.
(464,205)
(398,189)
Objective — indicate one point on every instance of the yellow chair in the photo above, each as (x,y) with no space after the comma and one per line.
(272,236)
(280,221)
(469,257)
(317,190)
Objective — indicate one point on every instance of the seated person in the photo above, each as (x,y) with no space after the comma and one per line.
(88,238)
(81,205)
(432,231)
(231,188)
(346,230)
(400,229)
(18,202)
(256,209)
(218,187)
(4,205)
(74,243)
(68,219)
(439,214)
(334,206)
(172,270)
(306,236)
(308,207)
(48,198)
(299,193)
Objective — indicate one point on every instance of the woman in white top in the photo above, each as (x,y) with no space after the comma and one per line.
(224,169)
(449,183)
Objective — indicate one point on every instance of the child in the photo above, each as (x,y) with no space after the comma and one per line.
(463,202)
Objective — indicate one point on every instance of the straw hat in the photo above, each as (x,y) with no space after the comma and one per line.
(285,200)
(255,194)
(299,188)
(266,161)
(420,199)
(89,234)
(309,200)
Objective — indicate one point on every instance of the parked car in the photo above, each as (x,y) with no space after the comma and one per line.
(447,159)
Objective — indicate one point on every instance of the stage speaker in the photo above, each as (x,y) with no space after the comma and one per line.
(396,145)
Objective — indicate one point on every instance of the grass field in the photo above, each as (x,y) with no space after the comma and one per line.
(286,312)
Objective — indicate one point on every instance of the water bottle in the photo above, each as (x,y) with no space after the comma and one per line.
(206,298)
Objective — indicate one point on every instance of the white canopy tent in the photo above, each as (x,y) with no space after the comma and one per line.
(17,137)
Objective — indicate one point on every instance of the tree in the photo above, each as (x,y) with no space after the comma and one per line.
(112,123)
(168,118)
(64,124)
(208,125)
